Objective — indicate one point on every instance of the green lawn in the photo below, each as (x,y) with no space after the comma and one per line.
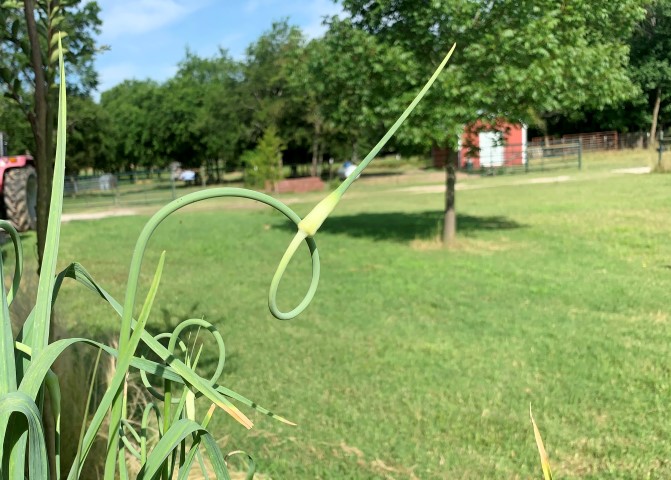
(416,362)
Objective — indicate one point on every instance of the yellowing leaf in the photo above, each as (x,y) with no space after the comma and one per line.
(545,460)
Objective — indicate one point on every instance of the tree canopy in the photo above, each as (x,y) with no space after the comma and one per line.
(519,59)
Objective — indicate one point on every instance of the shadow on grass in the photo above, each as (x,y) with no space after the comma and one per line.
(405,226)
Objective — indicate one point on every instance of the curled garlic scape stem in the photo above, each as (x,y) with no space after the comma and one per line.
(309,226)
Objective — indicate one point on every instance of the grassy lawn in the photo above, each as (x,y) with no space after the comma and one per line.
(416,362)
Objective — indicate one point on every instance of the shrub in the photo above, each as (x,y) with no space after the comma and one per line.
(264,164)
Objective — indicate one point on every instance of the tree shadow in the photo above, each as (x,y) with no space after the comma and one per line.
(405,226)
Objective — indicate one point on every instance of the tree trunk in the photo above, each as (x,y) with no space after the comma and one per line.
(655,116)
(321,162)
(39,122)
(315,155)
(450,220)
(315,148)
(217,170)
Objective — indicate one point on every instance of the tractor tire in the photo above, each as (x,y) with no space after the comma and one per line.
(20,195)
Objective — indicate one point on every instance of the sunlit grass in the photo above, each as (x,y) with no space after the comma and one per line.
(420,361)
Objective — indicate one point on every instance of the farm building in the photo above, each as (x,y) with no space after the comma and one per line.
(483,145)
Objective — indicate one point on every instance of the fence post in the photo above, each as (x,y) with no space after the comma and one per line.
(580,154)
(660,148)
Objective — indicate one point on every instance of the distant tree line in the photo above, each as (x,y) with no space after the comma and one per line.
(329,96)
(556,66)
(602,66)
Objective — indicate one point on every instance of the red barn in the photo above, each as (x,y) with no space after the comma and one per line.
(485,145)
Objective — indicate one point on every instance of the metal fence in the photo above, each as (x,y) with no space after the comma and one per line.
(590,141)
(633,140)
(548,157)
(523,158)
(121,190)
(598,141)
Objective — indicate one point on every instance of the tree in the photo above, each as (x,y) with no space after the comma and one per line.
(17,134)
(523,60)
(268,96)
(651,59)
(88,136)
(200,111)
(264,163)
(29,33)
(309,77)
(134,110)
(361,111)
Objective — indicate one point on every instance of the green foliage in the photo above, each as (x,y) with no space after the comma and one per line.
(133,110)
(198,116)
(361,111)
(88,136)
(650,58)
(264,163)
(521,60)
(80,19)
(267,90)
(13,123)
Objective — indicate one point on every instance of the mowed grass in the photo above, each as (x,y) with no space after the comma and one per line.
(418,362)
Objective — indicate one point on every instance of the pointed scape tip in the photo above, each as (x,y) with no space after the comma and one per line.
(284,420)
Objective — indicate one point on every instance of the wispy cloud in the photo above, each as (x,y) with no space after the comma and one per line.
(147,37)
(133,17)
(312,12)
(317,11)
(111,75)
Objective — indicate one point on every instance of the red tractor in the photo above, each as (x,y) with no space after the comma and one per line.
(18,187)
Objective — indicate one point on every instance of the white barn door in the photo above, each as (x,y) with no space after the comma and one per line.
(491,149)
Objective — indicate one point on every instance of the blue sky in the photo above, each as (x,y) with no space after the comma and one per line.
(147,38)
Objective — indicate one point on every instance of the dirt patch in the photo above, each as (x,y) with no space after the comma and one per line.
(561,178)
(122,212)
(474,186)
(633,171)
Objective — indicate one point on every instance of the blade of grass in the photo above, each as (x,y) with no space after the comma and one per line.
(151,407)
(18,259)
(7,365)
(171,440)
(114,393)
(78,272)
(116,382)
(42,317)
(92,381)
(54,389)
(13,465)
